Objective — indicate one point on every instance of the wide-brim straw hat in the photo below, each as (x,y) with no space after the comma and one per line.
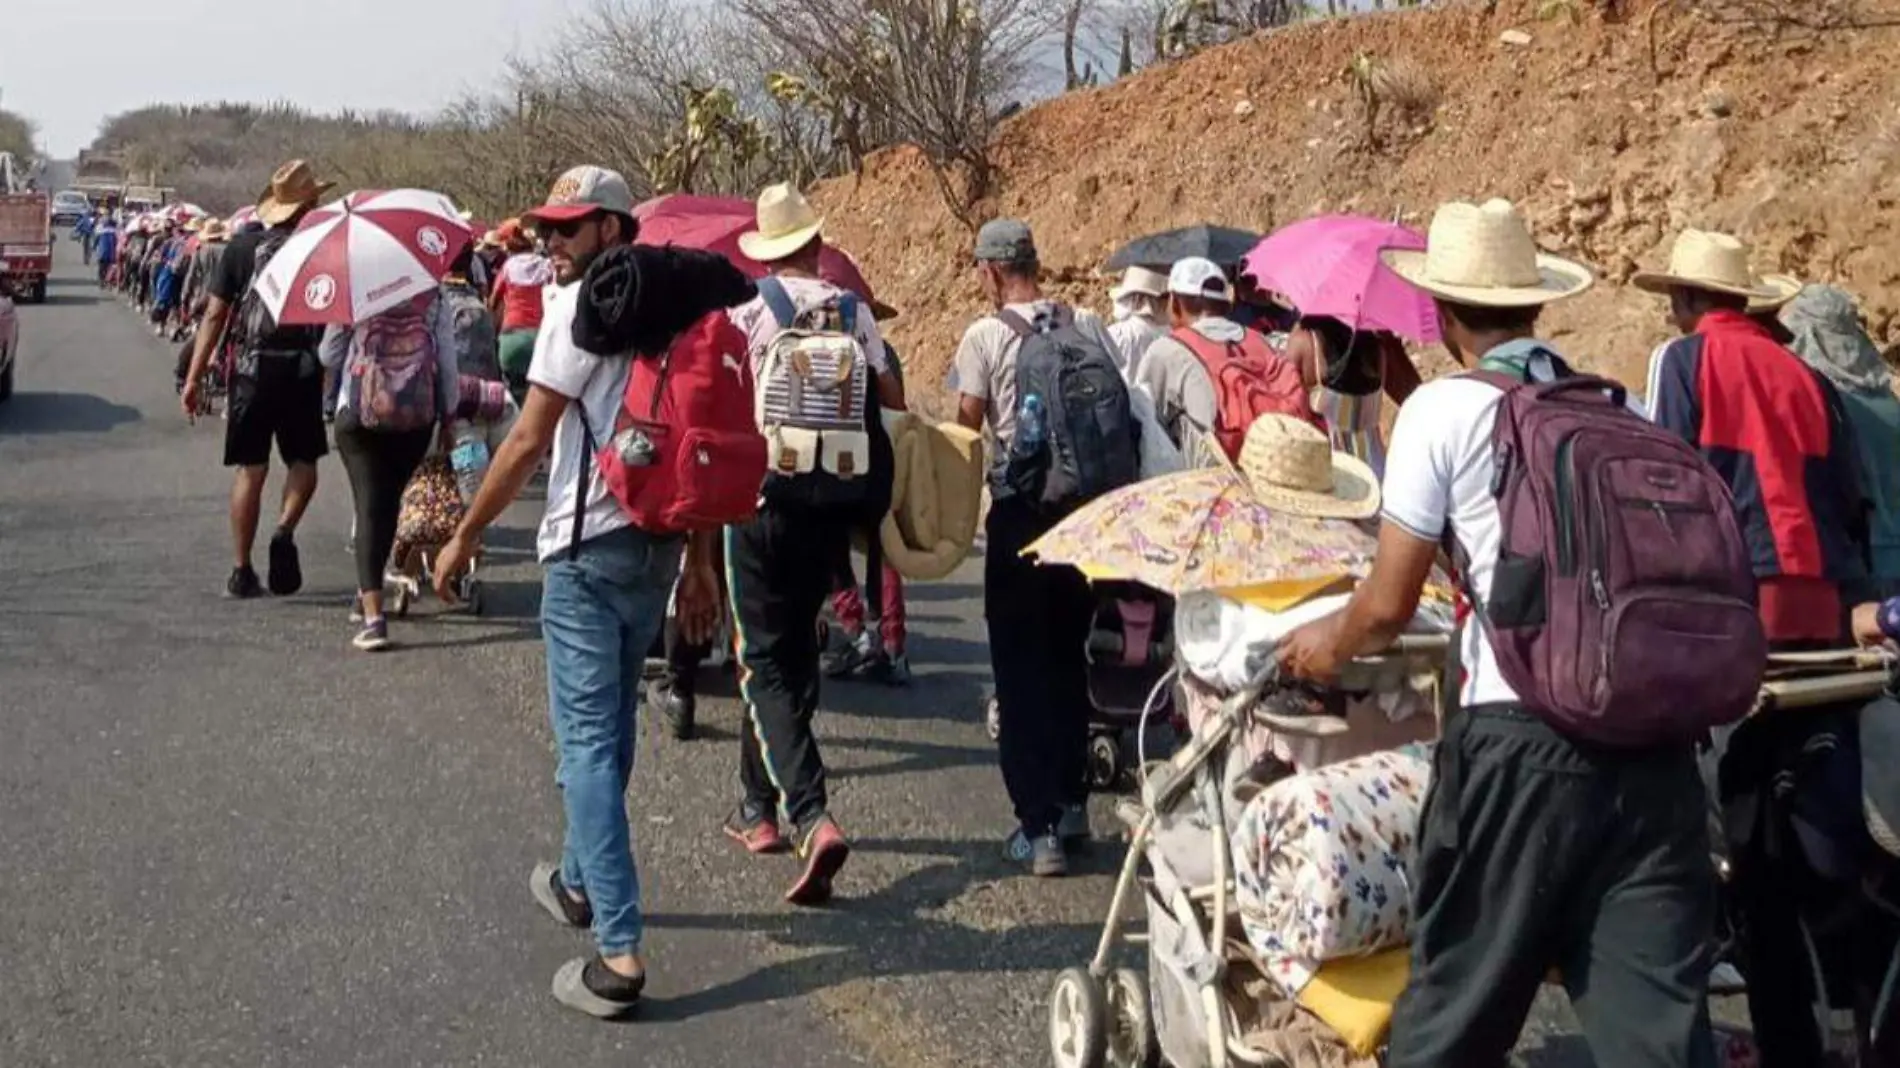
(786,223)
(1780,283)
(213,231)
(293,188)
(1290,466)
(1484,256)
(1717,263)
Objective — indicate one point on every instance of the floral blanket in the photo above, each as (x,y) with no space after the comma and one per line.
(1323,861)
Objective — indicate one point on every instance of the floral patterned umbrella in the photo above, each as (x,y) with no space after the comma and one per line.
(1202,530)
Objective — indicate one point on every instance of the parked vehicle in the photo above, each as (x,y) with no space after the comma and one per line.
(70,206)
(26,244)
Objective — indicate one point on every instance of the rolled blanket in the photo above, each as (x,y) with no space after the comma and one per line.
(483,400)
(637,299)
(1321,862)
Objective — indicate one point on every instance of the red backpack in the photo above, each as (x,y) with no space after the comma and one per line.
(1250,380)
(685,453)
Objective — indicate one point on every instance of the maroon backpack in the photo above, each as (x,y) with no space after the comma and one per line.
(1623,607)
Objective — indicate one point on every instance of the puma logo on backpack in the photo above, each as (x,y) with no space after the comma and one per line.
(817,409)
(1623,607)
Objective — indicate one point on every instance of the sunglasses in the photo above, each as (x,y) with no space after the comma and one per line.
(568,228)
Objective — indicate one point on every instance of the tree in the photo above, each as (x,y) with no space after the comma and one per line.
(17,135)
(930,73)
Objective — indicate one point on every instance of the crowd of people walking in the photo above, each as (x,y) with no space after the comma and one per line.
(559,344)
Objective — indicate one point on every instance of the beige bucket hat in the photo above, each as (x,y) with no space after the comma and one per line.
(1290,466)
(786,223)
(1717,263)
(1484,255)
(1140,281)
(293,188)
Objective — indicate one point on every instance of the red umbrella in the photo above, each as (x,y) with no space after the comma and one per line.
(363,255)
(714,225)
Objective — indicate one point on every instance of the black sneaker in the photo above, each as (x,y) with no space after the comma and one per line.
(849,660)
(679,709)
(243,584)
(551,894)
(587,984)
(286,572)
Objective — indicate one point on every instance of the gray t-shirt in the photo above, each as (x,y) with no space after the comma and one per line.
(985,364)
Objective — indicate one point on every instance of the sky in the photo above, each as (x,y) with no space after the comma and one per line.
(68,64)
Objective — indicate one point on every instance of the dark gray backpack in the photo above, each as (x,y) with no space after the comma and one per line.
(1076,436)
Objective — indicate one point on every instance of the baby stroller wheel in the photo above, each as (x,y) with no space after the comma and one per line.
(1105,762)
(1078,1021)
(1131,1023)
(993,720)
(472,595)
(400,596)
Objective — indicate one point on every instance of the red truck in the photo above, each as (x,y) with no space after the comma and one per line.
(26,243)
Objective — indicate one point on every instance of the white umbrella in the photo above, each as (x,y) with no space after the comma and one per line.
(363,255)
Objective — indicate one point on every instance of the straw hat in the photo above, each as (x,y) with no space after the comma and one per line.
(1484,256)
(213,231)
(1290,466)
(786,223)
(293,188)
(1780,283)
(1716,263)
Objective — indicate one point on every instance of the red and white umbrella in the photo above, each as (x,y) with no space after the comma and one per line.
(362,255)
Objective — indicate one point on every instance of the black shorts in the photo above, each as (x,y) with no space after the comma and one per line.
(284,402)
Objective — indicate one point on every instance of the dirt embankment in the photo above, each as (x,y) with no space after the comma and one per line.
(1611,135)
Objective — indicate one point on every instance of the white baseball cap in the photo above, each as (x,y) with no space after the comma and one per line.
(1198,277)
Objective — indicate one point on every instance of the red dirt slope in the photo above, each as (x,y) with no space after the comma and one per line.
(1612,136)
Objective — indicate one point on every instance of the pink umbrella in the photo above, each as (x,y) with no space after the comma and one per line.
(362,255)
(1329,265)
(714,224)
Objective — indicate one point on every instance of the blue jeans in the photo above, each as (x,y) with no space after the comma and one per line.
(600,612)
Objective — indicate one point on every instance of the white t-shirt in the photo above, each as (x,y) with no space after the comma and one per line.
(597,383)
(1438,472)
(985,363)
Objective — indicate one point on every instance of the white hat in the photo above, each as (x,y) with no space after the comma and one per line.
(786,223)
(1197,277)
(1484,256)
(1717,263)
(1140,281)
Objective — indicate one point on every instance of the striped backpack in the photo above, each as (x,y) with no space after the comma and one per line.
(826,447)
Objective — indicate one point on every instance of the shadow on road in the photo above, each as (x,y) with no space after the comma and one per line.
(894,931)
(63,413)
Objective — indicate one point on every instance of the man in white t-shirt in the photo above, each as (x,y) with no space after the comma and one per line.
(782,566)
(603,599)
(1535,854)
(1038,617)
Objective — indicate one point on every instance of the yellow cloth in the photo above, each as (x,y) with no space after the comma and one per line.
(1280,596)
(936,496)
(1355,995)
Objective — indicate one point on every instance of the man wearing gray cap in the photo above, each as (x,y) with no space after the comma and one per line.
(1038,617)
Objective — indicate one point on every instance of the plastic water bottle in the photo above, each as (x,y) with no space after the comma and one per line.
(469,458)
(1031,430)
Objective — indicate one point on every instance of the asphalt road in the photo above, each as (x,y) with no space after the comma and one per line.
(227,839)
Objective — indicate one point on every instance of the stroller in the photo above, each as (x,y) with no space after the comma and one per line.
(1205,999)
(1130,650)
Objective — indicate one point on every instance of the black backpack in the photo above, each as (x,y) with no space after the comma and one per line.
(255,328)
(1088,441)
